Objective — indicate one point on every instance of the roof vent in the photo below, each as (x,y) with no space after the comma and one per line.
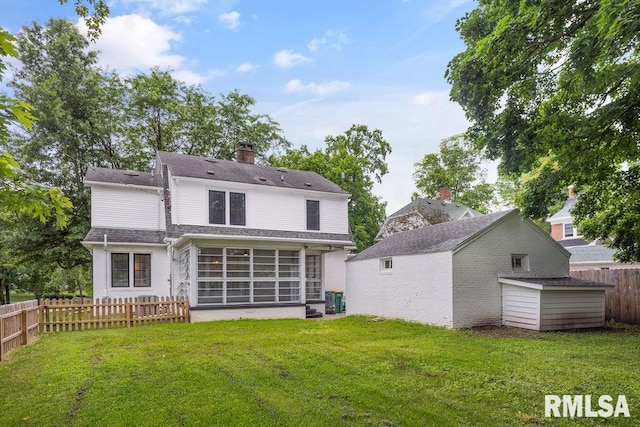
(457,205)
(429,201)
(308,184)
(282,170)
(282,178)
(131,173)
(211,172)
(211,160)
(262,178)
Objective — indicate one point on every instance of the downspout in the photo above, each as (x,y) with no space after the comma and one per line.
(106,266)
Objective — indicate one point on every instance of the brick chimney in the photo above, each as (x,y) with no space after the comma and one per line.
(570,194)
(245,153)
(444,194)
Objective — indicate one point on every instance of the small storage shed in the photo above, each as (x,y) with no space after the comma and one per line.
(489,270)
(552,304)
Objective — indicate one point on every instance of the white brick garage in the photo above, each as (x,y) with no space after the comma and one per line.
(448,274)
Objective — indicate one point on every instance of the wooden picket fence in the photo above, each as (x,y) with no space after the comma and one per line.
(18,325)
(622,303)
(22,322)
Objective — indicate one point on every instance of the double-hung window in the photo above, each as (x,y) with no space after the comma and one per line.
(218,208)
(313,215)
(130,270)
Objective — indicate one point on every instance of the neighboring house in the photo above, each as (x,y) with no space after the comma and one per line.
(239,239)
(424,212)
(496,269)
(584,254)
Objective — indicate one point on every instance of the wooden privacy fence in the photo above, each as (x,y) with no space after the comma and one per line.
(22,322)
(623,301)
(18,325)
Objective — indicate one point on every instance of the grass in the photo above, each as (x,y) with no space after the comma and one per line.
(20,296)
(351,371)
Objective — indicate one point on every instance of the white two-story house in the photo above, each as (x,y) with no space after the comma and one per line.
(239,239)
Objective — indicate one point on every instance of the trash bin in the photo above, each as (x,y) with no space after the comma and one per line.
(338,298)
(329,303)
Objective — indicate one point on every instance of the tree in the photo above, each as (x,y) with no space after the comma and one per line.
(353,161)
(457,167)
(551,88)
(164,114)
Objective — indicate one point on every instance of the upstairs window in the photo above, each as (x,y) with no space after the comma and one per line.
(569,230)
(236,209)
(216,207)
(519,263)
(386,265)
(313,215)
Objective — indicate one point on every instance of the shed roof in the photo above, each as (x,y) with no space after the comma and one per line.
(225,170)
(441,237)
(553,283)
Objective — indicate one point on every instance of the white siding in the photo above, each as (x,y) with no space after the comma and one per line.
(334,274)
(102,272)
(417,289)
(285,312)
(267,208)
(520,307)
(572,309)
(476,293)
(125,207)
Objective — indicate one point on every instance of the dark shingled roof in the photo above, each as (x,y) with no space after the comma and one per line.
(569,243)
(248,173)
(441,237)
(568,282)
(117,176)
(180,230)
(119,235)
(565,211)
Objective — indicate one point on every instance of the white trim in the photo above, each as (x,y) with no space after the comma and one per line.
(155,189)
(112,243)
(196,236)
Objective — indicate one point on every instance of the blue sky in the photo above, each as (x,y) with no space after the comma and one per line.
(315,67)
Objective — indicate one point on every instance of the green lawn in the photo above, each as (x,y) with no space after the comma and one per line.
(20,296)
(351,371)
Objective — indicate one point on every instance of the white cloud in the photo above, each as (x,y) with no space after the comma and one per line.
(246,67)
(333,38)
(316,43)
(412,131)
(427,98)
(231,19)
(317,89)
(288,59)
(132,41)
(172,7)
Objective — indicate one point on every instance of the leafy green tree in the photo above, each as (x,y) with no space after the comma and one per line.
(354,161)
(551,88)
(457,167)
(167,115)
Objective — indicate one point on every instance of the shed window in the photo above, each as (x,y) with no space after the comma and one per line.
(313,215)
(386,265)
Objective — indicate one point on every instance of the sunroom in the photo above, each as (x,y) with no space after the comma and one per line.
(234,279)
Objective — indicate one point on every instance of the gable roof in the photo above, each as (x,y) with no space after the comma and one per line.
(564,213)
(426,206)
(248,173)
(124,177)
(441,237)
